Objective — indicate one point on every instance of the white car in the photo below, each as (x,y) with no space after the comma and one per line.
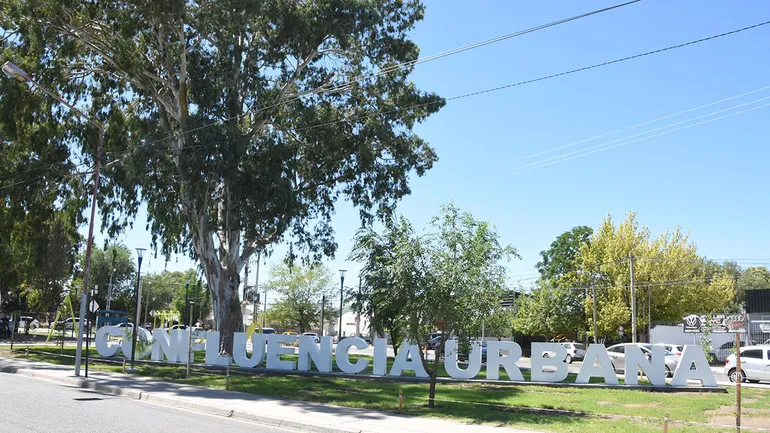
(755,364)
(617,354)
(313,335)
(676,349)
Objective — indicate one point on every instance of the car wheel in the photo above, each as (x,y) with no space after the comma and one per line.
(668,372)
(568,359)
(733,375)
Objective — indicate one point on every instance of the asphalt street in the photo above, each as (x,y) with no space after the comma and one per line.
(33,406)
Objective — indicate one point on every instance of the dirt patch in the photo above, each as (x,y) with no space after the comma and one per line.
(604,403)
(745,410)
(748,421)
(654,404)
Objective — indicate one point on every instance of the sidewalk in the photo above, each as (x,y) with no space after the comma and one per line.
(263,410)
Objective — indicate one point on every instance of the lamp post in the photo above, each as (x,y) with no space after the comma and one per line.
(140,256)
(342,286)
(15,72)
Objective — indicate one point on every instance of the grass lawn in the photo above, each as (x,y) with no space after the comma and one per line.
(596,410)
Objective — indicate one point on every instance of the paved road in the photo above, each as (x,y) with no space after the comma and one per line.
(32,406)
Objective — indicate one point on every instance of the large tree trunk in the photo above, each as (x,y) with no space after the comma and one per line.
(222,267)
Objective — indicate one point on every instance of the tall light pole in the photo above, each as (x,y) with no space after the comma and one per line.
(139,256)
(13,71)
(342,286)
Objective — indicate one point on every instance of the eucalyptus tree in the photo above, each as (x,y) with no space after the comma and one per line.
(238,123)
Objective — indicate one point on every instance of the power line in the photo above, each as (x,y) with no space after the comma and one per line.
(644,123)
(640,139)
(494,89)
(384,71)
(404,65)
(276,103)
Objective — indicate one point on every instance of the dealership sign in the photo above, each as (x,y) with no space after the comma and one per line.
(715,323)
(500,354)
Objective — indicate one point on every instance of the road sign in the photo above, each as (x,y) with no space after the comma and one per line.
(93,306)
(152,313)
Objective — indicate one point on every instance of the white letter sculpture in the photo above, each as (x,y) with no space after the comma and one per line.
(102,340)
(450,360)
(321,356)
(538,362)
(495,359)
(174,348)
(380,356)
(654,368)
(275,350)
(701,372)
(212,350)
(408,359)
(343,360)
(597,364)
(241,357)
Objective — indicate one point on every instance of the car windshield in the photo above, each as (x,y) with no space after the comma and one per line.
(580,346)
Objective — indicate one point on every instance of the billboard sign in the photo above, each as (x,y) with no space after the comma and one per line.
(715,323)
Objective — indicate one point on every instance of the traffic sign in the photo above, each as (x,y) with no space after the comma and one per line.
(93,306)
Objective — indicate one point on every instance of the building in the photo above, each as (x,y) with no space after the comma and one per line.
(758,309)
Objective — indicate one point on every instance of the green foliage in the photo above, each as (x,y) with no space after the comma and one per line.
(751,279)
(561,258)
(114,261)
(667,270)
(449,278)
(381,298)
(299,290)
(197,293)
(551,312)
(251,115)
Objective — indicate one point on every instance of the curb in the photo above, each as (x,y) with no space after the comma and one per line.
(94,385)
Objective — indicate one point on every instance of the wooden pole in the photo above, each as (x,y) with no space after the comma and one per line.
(400,400)
(124,365)
(665,423)
(738,380)
(227,379)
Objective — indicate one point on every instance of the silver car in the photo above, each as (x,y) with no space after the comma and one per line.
(617,355)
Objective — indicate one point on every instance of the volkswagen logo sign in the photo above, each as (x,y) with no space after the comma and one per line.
(693,321)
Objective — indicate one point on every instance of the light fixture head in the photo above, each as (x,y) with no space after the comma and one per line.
(342,273)
(13,71)
(140,253)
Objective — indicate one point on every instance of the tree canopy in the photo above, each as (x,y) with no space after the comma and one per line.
(239,124)
(299,290)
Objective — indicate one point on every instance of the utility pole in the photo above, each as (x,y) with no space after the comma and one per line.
(633,300)
(649,314)
(593,296)
(358,313)
(256,291)
(323,304)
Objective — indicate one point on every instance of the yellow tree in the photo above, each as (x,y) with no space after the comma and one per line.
(670,279)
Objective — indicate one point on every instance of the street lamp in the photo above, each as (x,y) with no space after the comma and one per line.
(140,256)
(15,72)
(342,286)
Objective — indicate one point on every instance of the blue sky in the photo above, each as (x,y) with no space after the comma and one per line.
(710,179)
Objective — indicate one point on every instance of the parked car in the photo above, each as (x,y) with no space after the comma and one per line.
(721,353)
(68,324)
(676,349)
(268,331)
(29,322)
(617,354)
(434,342)
(755,364)
(313,335)
(575,352)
